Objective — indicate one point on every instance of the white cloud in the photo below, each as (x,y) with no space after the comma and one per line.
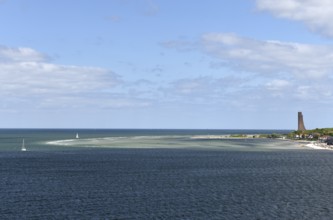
(26,74)
(38,78)
(270,57)
(278,84)
(211,91)
(21,54)
(304,92)
(269,74)
(316,14)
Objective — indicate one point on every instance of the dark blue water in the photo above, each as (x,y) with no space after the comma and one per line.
(90,183)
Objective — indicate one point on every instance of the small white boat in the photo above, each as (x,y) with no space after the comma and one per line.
(77,136)
(23,148)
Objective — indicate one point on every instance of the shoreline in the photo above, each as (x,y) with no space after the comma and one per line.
(225,136)
(315,145)
(118,140)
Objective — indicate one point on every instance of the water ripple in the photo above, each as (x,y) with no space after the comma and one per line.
(166,184)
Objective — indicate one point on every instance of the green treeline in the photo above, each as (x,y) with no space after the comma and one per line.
(315,133)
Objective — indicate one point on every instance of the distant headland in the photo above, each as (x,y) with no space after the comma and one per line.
(319,138)
(314,134)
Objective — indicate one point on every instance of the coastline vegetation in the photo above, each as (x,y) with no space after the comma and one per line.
(313,134)
(322,134)
(273,135)
(238,135)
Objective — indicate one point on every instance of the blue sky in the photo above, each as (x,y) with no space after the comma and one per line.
(241,64)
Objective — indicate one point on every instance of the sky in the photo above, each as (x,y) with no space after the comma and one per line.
(217,64)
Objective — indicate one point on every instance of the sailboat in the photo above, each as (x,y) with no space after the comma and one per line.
(23,146)
(77,135)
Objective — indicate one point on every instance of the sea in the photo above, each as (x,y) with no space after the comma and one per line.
(161,174)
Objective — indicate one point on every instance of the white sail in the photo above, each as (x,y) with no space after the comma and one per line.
(77,135)
(23,148)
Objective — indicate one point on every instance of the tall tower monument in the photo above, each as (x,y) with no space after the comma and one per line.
(301,126)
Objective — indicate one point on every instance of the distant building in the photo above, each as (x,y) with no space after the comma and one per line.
(323,138)
(301,126)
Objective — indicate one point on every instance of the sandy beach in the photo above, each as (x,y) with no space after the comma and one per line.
(316,145)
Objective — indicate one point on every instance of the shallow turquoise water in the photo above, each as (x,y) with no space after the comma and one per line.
(64,139)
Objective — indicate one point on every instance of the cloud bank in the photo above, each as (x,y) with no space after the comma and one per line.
(317,15)
(270,57)
(286,72)
(27,74)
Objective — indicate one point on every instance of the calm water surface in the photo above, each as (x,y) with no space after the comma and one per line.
(64,182)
